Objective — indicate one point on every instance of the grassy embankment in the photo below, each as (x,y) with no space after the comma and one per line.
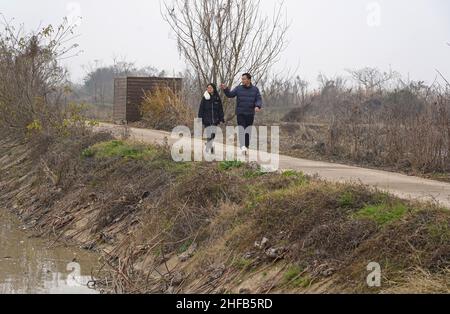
(221,227)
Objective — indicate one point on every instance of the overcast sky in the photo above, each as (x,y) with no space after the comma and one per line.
(327,36)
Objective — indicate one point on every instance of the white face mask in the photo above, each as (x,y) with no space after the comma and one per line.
(207,95)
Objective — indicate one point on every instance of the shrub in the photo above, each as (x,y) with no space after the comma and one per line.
(164,109)
(32,80)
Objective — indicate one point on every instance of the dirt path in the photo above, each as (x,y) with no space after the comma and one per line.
(397,184)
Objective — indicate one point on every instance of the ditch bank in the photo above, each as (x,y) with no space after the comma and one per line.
(166,227)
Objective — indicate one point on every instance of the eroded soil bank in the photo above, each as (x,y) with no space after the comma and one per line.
(166,227)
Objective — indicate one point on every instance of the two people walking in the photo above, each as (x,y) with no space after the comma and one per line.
(248,103)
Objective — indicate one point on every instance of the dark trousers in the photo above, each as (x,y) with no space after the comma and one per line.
(245,120)
(210,136)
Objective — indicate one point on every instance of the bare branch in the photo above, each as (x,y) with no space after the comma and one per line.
(220,39)
(443,77)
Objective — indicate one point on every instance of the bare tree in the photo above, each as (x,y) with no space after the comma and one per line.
(284,91)
(32,81)
(122,66)
(99,78)
(372,79)
(92,80)
(331,84)
(221,39)
(442,76)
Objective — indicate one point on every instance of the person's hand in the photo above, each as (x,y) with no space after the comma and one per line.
(223,86)
(257,109)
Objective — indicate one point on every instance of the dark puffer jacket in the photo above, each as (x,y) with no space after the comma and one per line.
(248,98)
(211,111)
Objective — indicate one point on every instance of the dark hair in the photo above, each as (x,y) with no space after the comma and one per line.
(248,75)
(214,86)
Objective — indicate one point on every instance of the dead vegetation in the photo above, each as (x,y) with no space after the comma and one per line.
(164,109)
(400,126)
(32,84)
(169,227)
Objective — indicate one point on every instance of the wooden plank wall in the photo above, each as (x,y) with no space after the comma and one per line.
(134,89)
(120,100)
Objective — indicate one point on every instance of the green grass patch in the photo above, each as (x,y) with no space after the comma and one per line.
(298,178)
(260,192)
(383,214)
(290,173)
(120,149)
(228,165)
(251,174)
(440,232)
(347,199)
(154,156)
(289,192)
(254,196)
(88,153)
(243,263)
(293,278)
(185,246)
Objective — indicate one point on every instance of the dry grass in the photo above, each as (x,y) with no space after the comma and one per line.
(404,129)
(142,210)
(163,109)
(420,281)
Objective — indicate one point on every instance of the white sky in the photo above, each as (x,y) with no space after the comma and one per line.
(326,36)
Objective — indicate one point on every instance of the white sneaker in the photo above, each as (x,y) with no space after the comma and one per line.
(244,150)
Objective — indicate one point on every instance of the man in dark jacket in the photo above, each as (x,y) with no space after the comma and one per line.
(249,102)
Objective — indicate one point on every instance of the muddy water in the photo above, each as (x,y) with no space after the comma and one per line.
(28,265)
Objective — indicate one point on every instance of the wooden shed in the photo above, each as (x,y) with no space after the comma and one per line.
(129,93)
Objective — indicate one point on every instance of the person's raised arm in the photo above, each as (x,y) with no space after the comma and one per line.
(229,93)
